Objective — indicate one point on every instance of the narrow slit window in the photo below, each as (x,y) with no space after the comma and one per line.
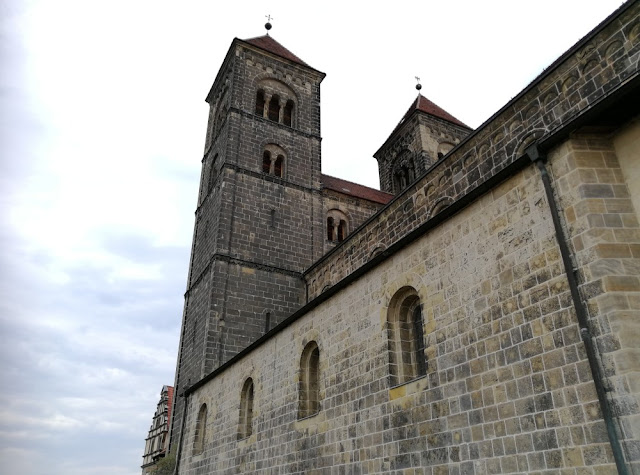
(201,427)
(267,322)
(245,428)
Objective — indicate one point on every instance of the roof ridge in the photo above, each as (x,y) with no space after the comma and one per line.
(354,189)
(268,43)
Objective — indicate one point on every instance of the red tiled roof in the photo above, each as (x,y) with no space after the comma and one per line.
(272,46)
(353,189)
(425,105)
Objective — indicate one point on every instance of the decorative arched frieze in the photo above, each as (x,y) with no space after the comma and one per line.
(526,141)
(379,249)
(439,205)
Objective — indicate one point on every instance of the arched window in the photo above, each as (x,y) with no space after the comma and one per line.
(266,162)
(274,108)
(288,113)
(246,410)
(260,103)
(277,167)
(337,226)
(309,387)
(406,337)
(201,427)
(403,171)
(330,228)
(276,101)
(274,160)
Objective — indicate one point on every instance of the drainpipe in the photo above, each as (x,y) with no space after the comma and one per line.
(184,418)
(538,157)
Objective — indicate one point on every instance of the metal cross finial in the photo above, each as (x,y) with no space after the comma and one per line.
(267,25)
(418,86)
(268,17)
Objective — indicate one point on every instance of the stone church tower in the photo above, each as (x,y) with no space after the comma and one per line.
(424,135)
(259,218)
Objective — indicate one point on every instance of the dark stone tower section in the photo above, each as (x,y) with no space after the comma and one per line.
(259,219)
(425,134)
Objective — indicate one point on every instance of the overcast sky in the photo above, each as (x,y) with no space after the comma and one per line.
(102,126)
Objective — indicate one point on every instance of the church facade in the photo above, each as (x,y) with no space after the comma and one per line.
(480,314)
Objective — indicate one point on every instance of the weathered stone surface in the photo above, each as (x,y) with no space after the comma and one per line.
(507,386)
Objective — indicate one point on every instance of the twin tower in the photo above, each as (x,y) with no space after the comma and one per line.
(265,211)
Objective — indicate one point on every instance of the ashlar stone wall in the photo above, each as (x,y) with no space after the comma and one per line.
(508,386)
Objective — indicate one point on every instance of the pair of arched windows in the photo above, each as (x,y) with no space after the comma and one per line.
(336,231)
(274,108)
(336,226)
(407,359)
(403,176)
(272,166)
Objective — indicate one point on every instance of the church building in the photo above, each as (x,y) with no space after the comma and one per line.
(478,314)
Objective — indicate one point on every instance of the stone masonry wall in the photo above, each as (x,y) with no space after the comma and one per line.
(255,233)
(568,88)
(603,228)
(508,388)
(421,136)
(357,211)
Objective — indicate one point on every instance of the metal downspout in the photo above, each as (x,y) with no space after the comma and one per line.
(539,158)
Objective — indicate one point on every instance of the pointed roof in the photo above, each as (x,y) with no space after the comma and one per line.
(267,43)
(425,105)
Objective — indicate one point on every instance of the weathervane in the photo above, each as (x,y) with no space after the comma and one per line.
(267,25)
(418,86)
